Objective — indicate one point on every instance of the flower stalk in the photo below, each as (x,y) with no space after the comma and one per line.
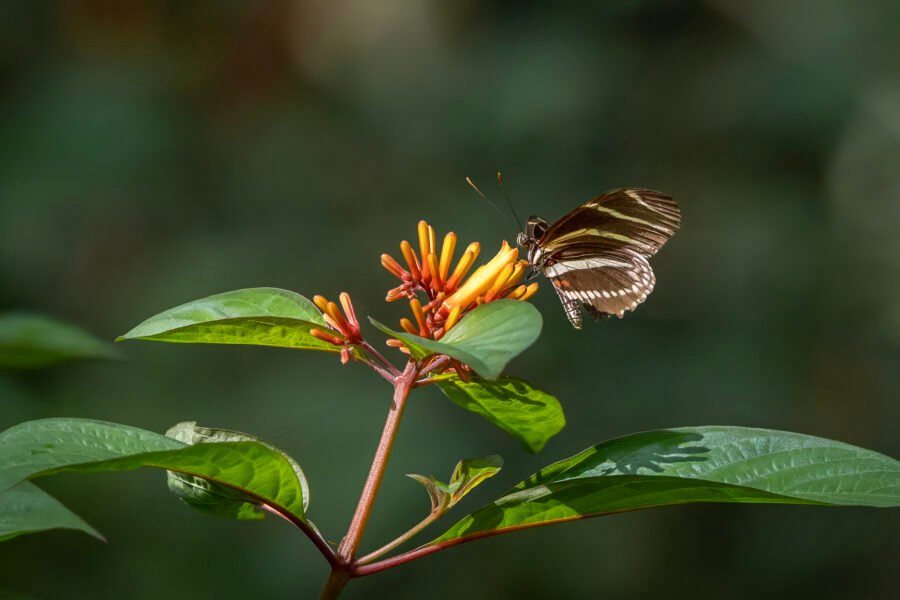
(439,296)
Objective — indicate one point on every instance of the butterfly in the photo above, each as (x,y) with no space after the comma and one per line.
(596,256)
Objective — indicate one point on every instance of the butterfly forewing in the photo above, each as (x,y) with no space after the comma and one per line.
(639,219)
(596,256)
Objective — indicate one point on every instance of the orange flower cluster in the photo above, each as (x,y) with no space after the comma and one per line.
(448,296)
(346,323)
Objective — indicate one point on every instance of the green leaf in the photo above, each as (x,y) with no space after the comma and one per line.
(214,498)
(31,341)
(486,339)
(49,446)
(531,415)
(692,464)
(466,476)
(26,508)
(437,490)
(255,316)
(472,472)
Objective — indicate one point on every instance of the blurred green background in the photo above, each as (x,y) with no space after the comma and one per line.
(154,153)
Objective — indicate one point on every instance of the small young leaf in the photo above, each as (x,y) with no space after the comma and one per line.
(255,316)
(438,492)
(472,472)
(26,508)
(691,464)
(466,476)
(214,498)
(486,339)
(31,341)
(530,414)
(48,446)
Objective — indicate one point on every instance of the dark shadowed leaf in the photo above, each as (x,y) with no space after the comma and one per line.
(48,446)
(530,414)
(213,498)
(26,508)
(31,341)
(486,339)
(691,464)
(255,316)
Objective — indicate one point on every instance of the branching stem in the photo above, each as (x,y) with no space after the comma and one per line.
(431,518)
(402,386)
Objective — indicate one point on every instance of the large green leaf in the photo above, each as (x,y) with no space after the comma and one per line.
(692,464)
(255,316)
(531,415)
(486,339)
(30,341)
(213,498)
(26,508)
(44,447)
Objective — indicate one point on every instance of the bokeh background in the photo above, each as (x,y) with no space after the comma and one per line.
(152,153)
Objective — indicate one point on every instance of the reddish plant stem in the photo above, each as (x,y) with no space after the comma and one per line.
(335,584)
(403,384)
(388,365)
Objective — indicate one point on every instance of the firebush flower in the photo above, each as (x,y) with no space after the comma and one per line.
(438,296)
(344,323)
(447,294)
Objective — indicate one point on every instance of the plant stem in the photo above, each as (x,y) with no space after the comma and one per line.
(402,386)
(336,582)
(380,358)
(431,518)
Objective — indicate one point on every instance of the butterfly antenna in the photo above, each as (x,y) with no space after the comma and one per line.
(485,198)
(509,202)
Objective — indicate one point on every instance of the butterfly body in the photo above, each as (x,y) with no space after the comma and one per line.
(596,256)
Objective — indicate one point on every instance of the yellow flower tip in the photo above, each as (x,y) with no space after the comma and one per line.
(393,267)
(517,275)
(452,318)
(347,305)
(530,291)
(462,267)
(435,272)
(424,244)
(411,260)
(447,249)
(408,326)
(517,292)
(393,343)
(474,248)
(483,278)
(340,322)
(419,314)
(321,303)
(499,283)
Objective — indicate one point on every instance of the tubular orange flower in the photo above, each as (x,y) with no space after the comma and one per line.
(447,254)
(388,262)
(410,255)
(342,324)
(483,278)
(447,293)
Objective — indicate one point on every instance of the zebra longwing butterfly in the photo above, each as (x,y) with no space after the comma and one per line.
(596,256)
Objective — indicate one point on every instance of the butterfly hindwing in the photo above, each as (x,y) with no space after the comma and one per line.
(608,285)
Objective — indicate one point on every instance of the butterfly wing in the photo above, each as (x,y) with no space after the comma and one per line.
(596,256)
(608,284)
(637,219)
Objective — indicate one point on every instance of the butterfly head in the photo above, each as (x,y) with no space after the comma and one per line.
(529,239)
